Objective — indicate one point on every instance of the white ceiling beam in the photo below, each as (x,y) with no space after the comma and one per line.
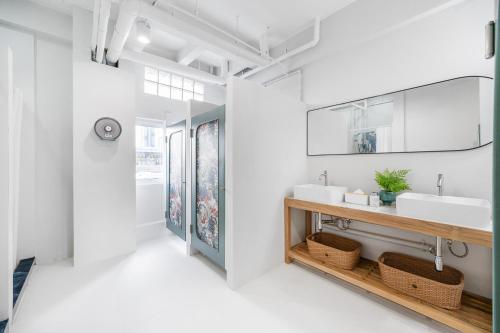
(189,54)
(208,24)
(204,37)
(171,66)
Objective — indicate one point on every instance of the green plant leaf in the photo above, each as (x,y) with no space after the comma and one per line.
(392,180)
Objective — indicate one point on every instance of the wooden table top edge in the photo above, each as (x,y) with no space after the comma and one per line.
(431,228)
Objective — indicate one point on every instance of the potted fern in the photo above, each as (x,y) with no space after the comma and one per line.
(391,183)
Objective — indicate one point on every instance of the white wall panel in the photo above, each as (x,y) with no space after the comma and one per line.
(265,157)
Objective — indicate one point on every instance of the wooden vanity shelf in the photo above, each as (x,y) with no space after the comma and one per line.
(475,315)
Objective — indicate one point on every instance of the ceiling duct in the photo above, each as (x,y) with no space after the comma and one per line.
(201,34)
(102,9)
(129,10)
(243,71)
(307,46)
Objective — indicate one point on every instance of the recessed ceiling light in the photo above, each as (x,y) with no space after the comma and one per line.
(143,32)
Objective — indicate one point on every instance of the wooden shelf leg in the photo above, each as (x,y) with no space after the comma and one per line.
(288,233)
(308,222)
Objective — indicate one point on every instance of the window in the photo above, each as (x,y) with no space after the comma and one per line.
(149,161)
(172,86)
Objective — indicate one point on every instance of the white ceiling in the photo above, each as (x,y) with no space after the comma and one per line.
(163,44)
(283,17)
(65,5)
(280,18)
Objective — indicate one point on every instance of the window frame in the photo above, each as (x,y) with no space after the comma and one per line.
(151,123)
(196,94)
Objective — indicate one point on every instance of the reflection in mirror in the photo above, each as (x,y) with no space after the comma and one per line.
(450,115)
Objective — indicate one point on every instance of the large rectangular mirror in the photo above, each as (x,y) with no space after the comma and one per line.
(452,115)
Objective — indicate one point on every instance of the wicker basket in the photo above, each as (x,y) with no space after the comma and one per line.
(334,250)
(419,278)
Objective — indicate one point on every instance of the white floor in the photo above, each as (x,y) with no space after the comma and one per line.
(158,290)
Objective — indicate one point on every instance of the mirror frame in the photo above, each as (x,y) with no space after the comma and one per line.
(390,93)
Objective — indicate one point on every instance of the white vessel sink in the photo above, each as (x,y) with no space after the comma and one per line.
(319,193)
(463,212)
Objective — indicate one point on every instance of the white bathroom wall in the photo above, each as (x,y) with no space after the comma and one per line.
(265,157)
(150,106)
(150,214)
(22,45)
(5,195)
(44,74)
(290,84)
(423,49)
(103,171)
(215,94)
(375,47)
(53,152)
(33,17)
(323,127)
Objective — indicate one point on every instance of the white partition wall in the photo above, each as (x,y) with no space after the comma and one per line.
(265,157)
(42,72)
(103,171)
(6,91)
(53,153)
(23,78)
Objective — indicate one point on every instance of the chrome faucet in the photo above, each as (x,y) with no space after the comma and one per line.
(440,184)
(324,176)
(438,259)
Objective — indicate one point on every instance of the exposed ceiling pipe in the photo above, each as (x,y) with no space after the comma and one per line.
(151,60)
(281,77)
(169,22)
(95,27)
(309,45)
(207,23)
(104,12)
(129,10)
(176,23)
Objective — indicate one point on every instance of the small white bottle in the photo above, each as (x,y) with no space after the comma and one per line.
(374,200)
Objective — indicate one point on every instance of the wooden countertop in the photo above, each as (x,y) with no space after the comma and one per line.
(388,217)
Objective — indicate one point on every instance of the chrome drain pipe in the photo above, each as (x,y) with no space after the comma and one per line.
(418,245)
(438,259)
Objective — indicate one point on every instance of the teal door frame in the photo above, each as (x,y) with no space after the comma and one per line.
(176,129)
(217,255)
